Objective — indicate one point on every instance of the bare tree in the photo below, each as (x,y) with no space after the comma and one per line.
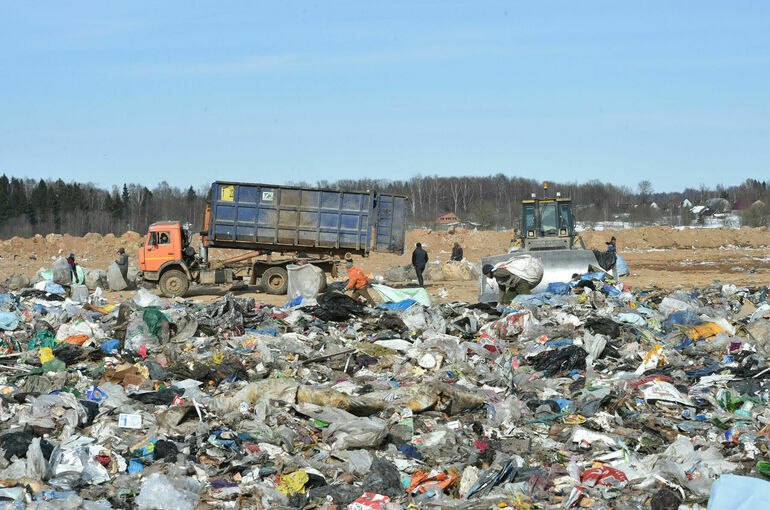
(645,190)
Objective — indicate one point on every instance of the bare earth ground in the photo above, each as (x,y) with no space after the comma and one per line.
(660,257)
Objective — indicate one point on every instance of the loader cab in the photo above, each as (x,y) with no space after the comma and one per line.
(547,223)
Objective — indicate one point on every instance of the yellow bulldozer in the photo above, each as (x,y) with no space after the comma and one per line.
(547,232)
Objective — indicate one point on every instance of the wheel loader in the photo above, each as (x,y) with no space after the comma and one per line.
(547,232)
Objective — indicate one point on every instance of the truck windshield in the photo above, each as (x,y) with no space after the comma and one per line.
(548,225)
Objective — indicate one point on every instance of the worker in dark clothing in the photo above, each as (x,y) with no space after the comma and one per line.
(73,267)
(457,252)
(419,261)
(122,262)
(612,249)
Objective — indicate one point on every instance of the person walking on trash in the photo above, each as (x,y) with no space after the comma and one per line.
(73,267)
(612,248)
(457,252)
(419,261)
(517,275)
(358,283)
(122,262)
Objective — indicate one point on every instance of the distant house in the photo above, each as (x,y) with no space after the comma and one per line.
(654,205)
(686,203)
(447,218)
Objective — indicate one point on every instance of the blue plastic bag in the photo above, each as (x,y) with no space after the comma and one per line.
(733,492)
(558,288)
(111,345)
(9,320)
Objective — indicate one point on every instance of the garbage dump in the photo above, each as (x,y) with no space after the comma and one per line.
(588,395)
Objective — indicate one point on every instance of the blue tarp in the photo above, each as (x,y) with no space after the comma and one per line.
(681,318)
(399,305)
(392,295)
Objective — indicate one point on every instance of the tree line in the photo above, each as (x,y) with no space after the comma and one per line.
(29,207)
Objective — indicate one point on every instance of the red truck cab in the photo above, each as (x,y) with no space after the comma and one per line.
(161,257)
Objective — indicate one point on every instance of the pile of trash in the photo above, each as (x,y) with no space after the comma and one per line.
(590,395)
(436,271)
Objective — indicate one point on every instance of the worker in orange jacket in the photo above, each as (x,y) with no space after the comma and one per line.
(358,283)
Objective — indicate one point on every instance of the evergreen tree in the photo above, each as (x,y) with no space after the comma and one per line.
(39,201)
(5,197)
(17,204)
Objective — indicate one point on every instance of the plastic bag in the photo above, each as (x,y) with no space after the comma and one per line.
(524,266)
(157,322)
(145,298)
(115,278)
(159,493)
(96,278)
(559,360)
(79,293)
(9,320)
(733,492)
(61,272)
(306,281)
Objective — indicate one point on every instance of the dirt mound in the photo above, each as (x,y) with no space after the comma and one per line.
(685,238)
(25,256)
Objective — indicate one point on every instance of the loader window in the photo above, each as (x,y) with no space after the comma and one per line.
(548,224)
(565,216)
(528,219)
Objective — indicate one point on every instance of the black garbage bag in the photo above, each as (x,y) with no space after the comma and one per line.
(606,259)
(230,313)
(665,499)
(40,294)
(157,372)
(392,322)
(559,360)
(17,443)
(341,494)
(165,450)
(603,326)
(92,410)
(164,396)
(69,353)
(336,306)
(383,478)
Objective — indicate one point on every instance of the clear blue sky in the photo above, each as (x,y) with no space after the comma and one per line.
(107,92)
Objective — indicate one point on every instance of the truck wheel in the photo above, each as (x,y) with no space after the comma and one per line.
(275,280)
(174,283)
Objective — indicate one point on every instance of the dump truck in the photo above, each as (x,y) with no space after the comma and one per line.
(272,225)
(547,231)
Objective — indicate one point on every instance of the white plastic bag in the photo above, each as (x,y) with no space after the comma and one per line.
(159,493)
(115,278)
(307,280)
(524,266)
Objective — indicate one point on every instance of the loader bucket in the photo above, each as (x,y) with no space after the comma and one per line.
(558,266)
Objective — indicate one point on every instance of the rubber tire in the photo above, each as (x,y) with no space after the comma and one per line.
(174,283)
(275,280)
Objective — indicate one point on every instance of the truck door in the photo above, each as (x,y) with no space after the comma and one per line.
(390,228)
(159,249)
